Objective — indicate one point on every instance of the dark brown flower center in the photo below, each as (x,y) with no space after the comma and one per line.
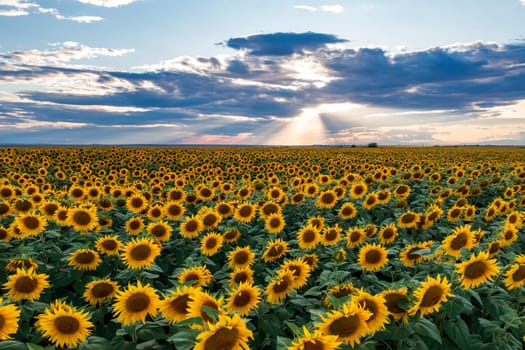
(391,302)
(240,277)
(23,205)
(134,224)
(82,218)
(137,202)
(222,339)
(140,252)
(309,236)
(26,284)
(355,236)
(159,231)
(345,326)
(388,233)
(50,208)
(31,222)
(85,258)
(275,223)
(519,274)
(109,244)
(432,296)
(241,258)
(459,241)
(245,211)
(373,256)
(327,198)
(102,290)
(242,299)
(476,269)
(4,208)
(66,324)
(331,235)
(270,209)
(192,226)
(408,218)
(180,304)
(137,302)
(211,243)
(174,210)
(209,219)
(281,285)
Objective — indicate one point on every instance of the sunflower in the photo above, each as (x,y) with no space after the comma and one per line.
(4,234)
(469,212)
(461,237)
(228,333)
(396,302)
(315,341)
(241,275)
(412,254)
(274,223)
(64,326)
(347,211)
(384,196)
(358,190)
(7,192)
(340,291)
(205,193)
(200,299)
(245,212)
(136,203)
(30,224)
(26,285)
(225,210)
(134,225)
(433,213)
(279,287)
(82,219)
(297,198)
(300,270)
(135,303)
(515,275)
(375,304)
(99,290)
(195,276)
(348,325)
(231,235)
(21,263)
(331,235)
(430,294)
(210,219)
(316,221)
(140,253)
(508,235)
(275,250)
(159,230)
(340,255)
(408,219)
(243,298)
(191,227)
(174,307)
(454,213)
(269,208)
(9,316)
(241,257)
(355,236)
(48,208)
(84,259)
(387,234)
(370,201)
(156,212)
(477,270)
(311,189)
(327,199)
(23,206)
(402,191)
(515,219)
(211,244)
(493,248)
(5,209)
(174,210)
(372,257)
(109,245)
(308,237)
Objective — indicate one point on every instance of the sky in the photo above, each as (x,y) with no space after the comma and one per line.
(262,72)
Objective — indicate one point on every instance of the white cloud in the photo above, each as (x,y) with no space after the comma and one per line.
(81,19)
(13,13)
(107,3)
(332,8)
(20,4)
(523,2)
(20,8)
(307,8)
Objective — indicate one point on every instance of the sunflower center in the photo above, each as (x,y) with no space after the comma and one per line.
(209,220)
(281,286)
(371,200)
(391,302)
(191,277)
(408,218)
(23,205)
(102,290)
(508,234)
(245,211)
(6,192)
(433,216)
(191,226)
(223,209)
(358,190)
(432,296)
(77,193)
(494,248)
(275,222)
(517,276)
(331,235)
(412,253)
(512,219)
(345,326)
(455,212)
(85,258)
(475,270)
(205,192)
(313,345)
(2,321)
(141,252)
(222,339)
(180,304)
(401,190)
(370,306)
(3,233)
(327,198)
(109,244)
(26,284)
(174,210)
(343,292)
(309,236)
(67,324)
(347,211)
(50,208)
(175,195)
(4,208)
(270,209)
(241,258)
(134,225)
(81,218)
(242,299)
(373,256)
(156,212)
(232,234)
(240,277)
(137,302)
(298,197)
(275,250)
(459,241)
(137,202)
(158,231)
(211,243)
(388,233)
(355,236)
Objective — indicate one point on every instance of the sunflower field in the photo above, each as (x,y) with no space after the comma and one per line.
(262,248)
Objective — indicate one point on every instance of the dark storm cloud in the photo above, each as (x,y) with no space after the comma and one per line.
(282,44)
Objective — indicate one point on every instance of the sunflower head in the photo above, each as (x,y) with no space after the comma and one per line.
(226,333)
(397,303)
(191,227)
(241,257)
(100,290)
(372,257)
(26,285)
(84,259)
(243,298)
(159,230)
(175,306)
(430,295)
(348,325)
(375,304)
(275,250)
(308,237)
(9,317)
(195,276)
(140,253)
(211,244)
(355,236)
(136,303)
(477,270)
(109,245)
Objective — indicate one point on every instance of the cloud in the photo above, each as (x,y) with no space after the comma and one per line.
(326,8)
(107,3)
(21,8)
(320,95)
(13,13)
(282,44)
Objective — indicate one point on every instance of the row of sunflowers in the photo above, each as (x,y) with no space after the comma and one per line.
(262,248)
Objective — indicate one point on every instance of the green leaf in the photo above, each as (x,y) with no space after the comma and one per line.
(283,343)
(402,303)
(12,345)
(490,327)
(294,328)
(184,339)
(426,328)
(191,321)
(31,346)
(210,312)
(459,333)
